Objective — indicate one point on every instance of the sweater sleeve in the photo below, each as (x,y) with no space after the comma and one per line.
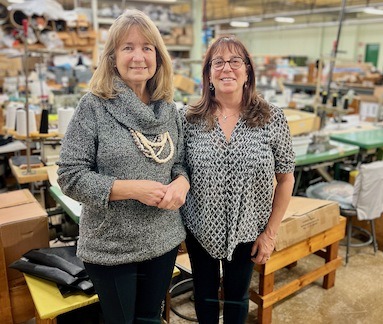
(78,174)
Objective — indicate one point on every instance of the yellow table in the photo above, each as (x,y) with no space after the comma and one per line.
(49,302)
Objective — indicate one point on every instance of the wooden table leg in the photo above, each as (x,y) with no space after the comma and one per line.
(330,254)
(266,286)
(166,314)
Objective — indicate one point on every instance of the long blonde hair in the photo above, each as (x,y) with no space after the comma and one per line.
(160,86)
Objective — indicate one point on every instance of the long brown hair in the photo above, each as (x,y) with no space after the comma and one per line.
(255,110)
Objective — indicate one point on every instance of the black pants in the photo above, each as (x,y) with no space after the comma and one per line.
(206,277)
(133,293)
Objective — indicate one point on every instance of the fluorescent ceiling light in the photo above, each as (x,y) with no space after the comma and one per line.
(289,20)
(16,1)
(373,11)
(242,24)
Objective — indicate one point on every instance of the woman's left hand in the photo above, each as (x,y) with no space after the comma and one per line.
(262,248)
(176,194)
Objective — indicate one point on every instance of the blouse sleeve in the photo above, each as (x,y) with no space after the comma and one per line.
(281,142)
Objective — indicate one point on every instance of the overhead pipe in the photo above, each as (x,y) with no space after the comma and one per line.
(351,22)
(350,9)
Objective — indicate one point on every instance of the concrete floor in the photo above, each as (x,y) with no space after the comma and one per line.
(356,298)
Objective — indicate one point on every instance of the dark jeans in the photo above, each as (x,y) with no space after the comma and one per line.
(206,277)
(133,293)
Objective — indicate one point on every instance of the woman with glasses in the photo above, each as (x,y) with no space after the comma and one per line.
(235,144)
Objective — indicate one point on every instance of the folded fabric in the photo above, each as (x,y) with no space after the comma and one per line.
(60,265)
(45,272)
(52,260)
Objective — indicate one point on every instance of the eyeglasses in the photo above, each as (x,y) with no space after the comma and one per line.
(235,63)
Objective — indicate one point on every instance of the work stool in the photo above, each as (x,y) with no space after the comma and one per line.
(363,201)
(363,236)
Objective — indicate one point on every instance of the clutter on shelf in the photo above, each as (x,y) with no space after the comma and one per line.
(50,25)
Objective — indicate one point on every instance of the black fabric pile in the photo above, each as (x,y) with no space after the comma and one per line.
(60,265)
(5,140)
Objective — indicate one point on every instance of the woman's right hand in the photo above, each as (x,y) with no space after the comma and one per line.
(148,192)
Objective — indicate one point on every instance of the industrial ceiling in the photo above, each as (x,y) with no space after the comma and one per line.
(262,13)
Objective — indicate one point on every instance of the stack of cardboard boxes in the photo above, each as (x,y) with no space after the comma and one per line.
(23,226)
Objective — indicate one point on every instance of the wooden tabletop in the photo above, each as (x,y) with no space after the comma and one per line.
(35,174)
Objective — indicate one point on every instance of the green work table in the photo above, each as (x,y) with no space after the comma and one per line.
(69,205)
(339,150)
(320,161)
(368,139)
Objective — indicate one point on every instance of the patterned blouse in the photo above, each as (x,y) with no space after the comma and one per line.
(230,198)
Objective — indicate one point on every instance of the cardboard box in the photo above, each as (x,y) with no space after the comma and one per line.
(301,122)
(181,9)
(169,39)
(369,108)
(10,66)
(22,306)
(378,93)
(184,84)
(185,40)
(304,218)
(23,226)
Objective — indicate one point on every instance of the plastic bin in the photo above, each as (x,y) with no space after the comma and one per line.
(301,144)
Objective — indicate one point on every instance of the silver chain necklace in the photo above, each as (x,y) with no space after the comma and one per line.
(225,117)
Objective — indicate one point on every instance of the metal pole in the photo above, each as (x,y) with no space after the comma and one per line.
(28,139)
(335,47)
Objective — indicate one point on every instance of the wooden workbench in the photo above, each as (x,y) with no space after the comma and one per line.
(36,174)
(324,244)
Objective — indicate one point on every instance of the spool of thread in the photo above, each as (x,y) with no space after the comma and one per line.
(335,100)
(324,97)
(21,122)
(44,122)
(16,17)
(11,117)
(64,117)
(345,104)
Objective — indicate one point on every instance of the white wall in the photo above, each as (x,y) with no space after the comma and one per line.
(314,42)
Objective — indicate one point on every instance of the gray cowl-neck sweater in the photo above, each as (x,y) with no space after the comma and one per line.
(97,149)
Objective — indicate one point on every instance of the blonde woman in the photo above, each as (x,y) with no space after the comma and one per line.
(122,159)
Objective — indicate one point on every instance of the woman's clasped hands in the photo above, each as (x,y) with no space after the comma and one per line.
(171,196)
